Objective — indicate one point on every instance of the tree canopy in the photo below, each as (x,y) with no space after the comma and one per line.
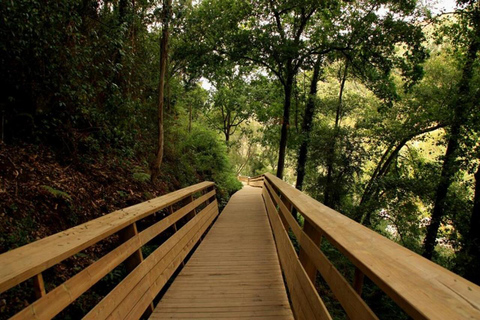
(371,107)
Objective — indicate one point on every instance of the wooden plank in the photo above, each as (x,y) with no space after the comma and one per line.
(358,281)
(193,213)
(350,300)
(137,257)
(155,280)
(308,303)
(25,262)
(60,297)
(298,299)
(256,181)
(234,272)
(39,286)
(420,287)
(121,291)
(311,232)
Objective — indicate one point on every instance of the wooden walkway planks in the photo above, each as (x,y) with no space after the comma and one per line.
(235,272)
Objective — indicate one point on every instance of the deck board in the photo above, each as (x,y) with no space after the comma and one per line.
(234,273)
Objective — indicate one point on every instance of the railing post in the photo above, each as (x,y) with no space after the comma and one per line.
(358,281)
(137,257)
(207,190)
(289,206)
(316,237)
(39,286)
(170,210)
(192,213)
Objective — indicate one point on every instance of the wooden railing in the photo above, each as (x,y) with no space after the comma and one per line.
(252,181)
(189,212)
(243,178)
(421,288)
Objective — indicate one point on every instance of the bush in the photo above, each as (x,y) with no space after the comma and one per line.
(203,153)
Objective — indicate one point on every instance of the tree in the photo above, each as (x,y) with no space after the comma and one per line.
(307,124)
(473,236)
(331,151)
(462,107)
(231,104)
(284,37)
(167,9)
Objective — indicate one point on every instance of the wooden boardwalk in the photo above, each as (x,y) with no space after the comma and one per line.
(235,272)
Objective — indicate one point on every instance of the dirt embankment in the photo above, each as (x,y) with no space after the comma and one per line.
(40,196)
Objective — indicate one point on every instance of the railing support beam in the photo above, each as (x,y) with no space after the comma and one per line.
(316,237)
(358,281)
(137,257)
(39,286)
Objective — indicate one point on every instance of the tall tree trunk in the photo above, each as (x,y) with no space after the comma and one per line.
(249,153)
(295,91)
(327,195)
(307,125)
(448,171)
(473,245)
(167,4)
(285,123)
(227,126)
(450,165)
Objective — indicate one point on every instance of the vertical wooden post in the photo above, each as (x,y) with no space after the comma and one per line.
(358,281)
(207,190)
(39,286)
(195,209)
(192,213)
(137,257)
(289,207)
(316,237)
(170,212)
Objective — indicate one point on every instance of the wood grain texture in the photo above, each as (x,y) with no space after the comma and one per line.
(161,262)
(352,303)
(39,286)
(59,298)
(306,302)
(234,273)
(420,287)
(25,262)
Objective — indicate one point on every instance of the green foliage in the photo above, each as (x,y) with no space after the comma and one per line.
(203,154)
(57,193)
(82,78)
(141,176)
(23,229)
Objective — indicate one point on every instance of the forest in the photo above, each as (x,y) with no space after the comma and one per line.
(370,107)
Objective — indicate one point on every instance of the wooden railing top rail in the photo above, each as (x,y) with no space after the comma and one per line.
(25,262)
(422,288)
(256,181)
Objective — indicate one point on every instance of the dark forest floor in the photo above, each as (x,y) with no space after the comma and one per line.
(41,195)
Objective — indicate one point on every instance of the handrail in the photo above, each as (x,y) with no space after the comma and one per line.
(32,259)
(256,181)
(243,178)
(420,287)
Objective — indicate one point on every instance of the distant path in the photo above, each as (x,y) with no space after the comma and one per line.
(235,272)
